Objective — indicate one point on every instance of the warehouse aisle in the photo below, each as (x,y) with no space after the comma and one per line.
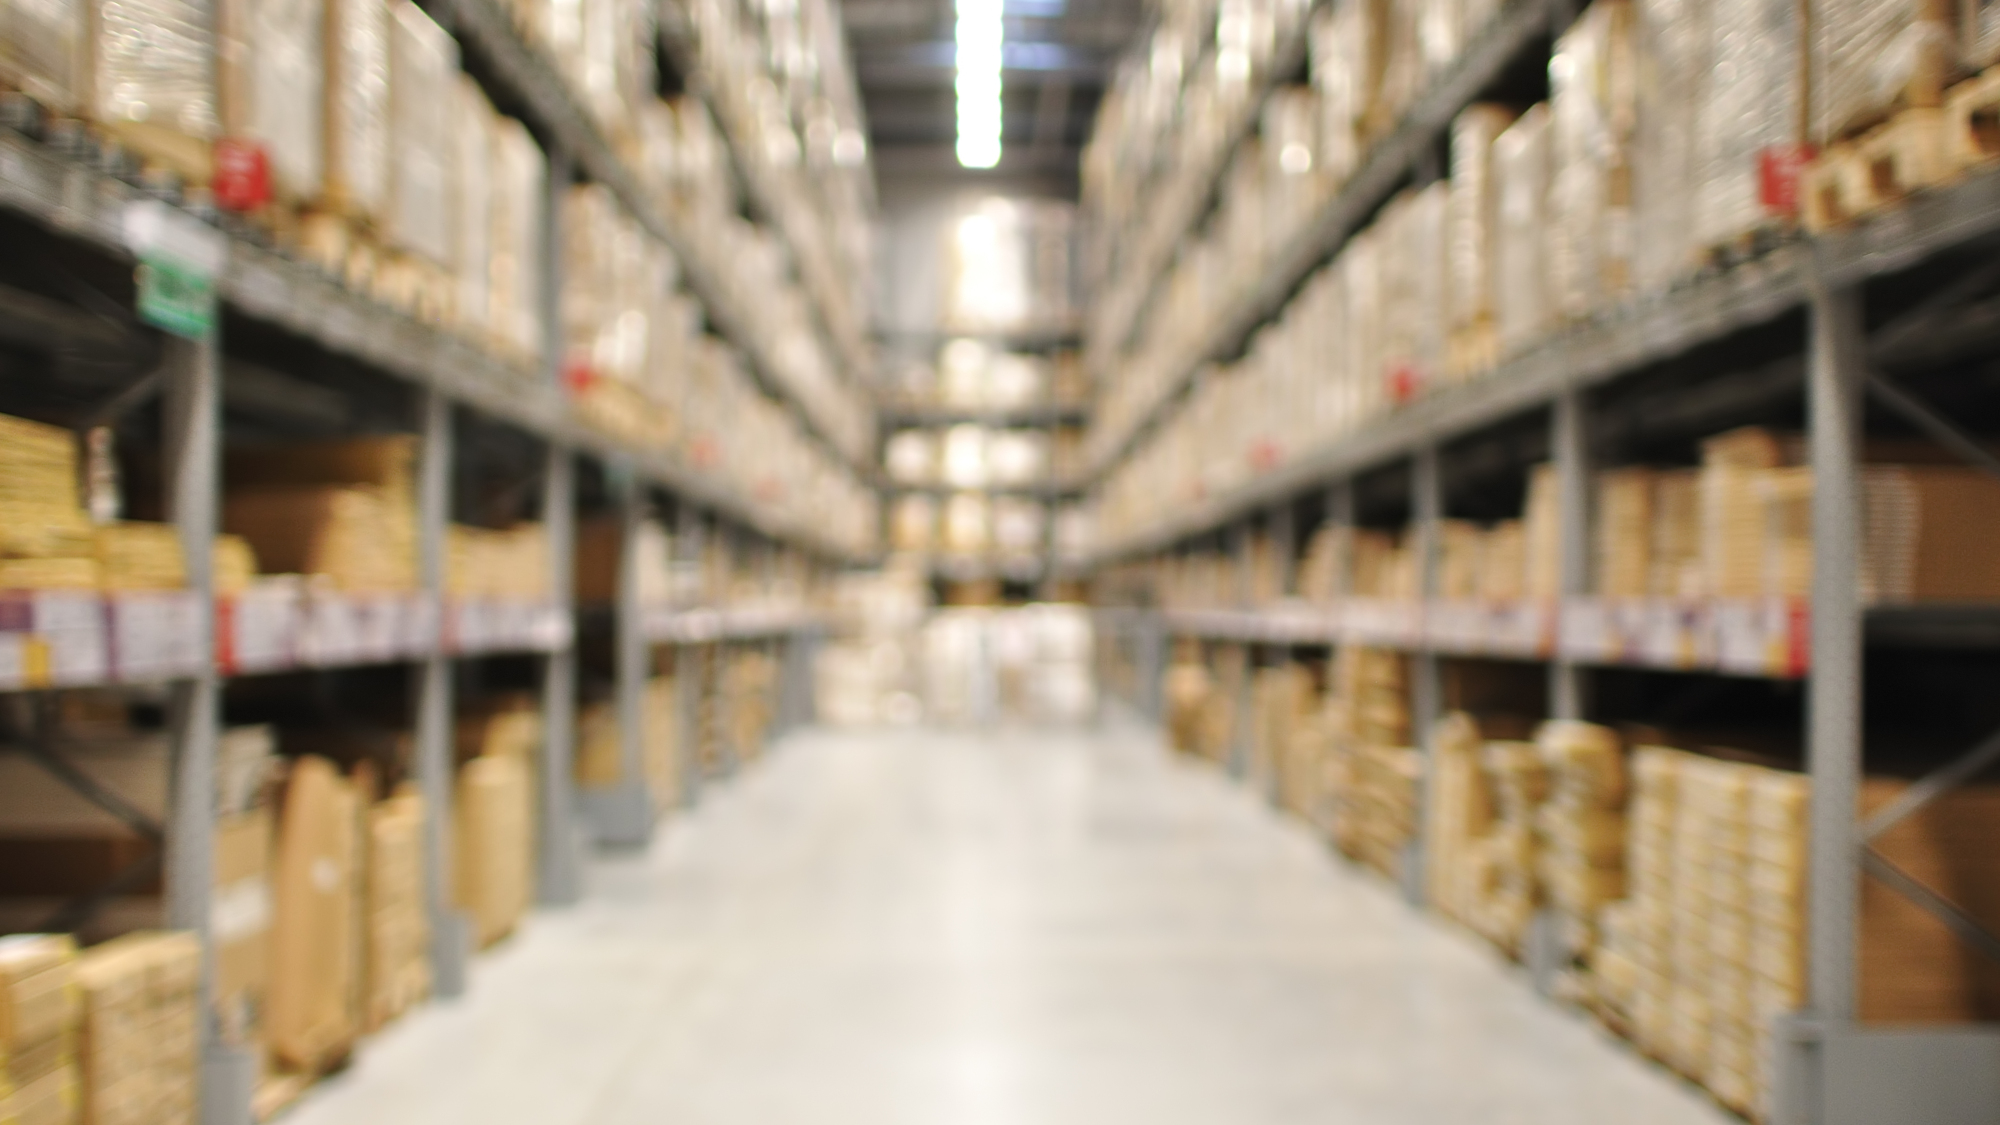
(1007,929)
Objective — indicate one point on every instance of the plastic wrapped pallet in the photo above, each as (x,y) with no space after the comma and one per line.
(1346,65)
(1522,164)
(423,65)
(271,78)
(1413,312)
(44,51)
(139,1042)
(514,287)
(1593,85)
(475,216)
(1471,222)
(1674,76)
(152,81)
(1878,56)
(356,81)
(1748,140)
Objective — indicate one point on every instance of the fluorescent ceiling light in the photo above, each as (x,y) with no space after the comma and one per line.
(980,38)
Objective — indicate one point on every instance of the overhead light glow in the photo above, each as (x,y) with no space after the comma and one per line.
(980,36)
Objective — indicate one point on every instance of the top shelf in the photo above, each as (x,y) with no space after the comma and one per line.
(1620,342)
(531,81)
(1391,163)
(77,201)
(1183,202)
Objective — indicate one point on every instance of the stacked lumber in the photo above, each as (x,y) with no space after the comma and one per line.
(139,1039)
(38,1018)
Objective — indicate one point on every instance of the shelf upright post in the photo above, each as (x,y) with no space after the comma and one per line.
(622,815)
(690,547)
(1285,545)
(1835,374)
(193,440)
(560,869)
(1426,510)
(1340,513)
(1241,763)
(451,931)
(1568,681)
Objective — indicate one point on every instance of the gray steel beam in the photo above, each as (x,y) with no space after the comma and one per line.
(1568,681)
(451,931)
(621,815)
(1836,371)
(560,864)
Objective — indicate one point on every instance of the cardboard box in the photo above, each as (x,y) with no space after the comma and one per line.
(310,1017)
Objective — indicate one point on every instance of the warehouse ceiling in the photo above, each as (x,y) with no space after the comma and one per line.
(1057,60)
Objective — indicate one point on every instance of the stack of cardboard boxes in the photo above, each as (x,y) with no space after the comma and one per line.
(38,1015)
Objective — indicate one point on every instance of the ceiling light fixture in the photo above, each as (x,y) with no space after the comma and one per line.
(980,35)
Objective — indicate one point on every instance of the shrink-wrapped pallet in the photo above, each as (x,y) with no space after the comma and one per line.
(152,80)
(1749,134)
(1673,38)
(1472,218)
(1521,169)
(475,218)
(1345,64)
(1413,267)
(356,82)
(514,286)
(45,51)
(423,67)
(1592,97)
(1878,56)
(271,76)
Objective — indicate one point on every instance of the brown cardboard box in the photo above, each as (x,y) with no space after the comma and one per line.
(396,968)
(139,1049)
(310,1018)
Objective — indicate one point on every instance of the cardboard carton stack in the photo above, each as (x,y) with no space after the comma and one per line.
(1505,889)
(38,1016)
(1913,968)
(662,748)
(1188,686)
(139,1040)
(1376,815)
(511,564)
(1928,533)
(1281,698)
(1632,965)
(1460,814)
(344,509)
(1581,826)
(45,536)
(395,963)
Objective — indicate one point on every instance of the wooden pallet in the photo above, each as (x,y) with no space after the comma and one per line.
(163,155)
(1972,121)
(416,286)
(1877,170)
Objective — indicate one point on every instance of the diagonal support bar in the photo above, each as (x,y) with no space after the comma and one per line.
(87,787)
(1932,786)
(1939,428)
(1905,884)
(81,909)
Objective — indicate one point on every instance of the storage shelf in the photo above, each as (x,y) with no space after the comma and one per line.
(72,199)
(531,80)
(903,416)
(85,639)
(1389,164)
(1187,200)
(1621,341)
(703,626)
(1764,637)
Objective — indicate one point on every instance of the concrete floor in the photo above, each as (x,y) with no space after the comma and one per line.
(922,928)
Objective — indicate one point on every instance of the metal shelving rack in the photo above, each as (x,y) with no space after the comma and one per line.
(1843,291)
(87,213)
